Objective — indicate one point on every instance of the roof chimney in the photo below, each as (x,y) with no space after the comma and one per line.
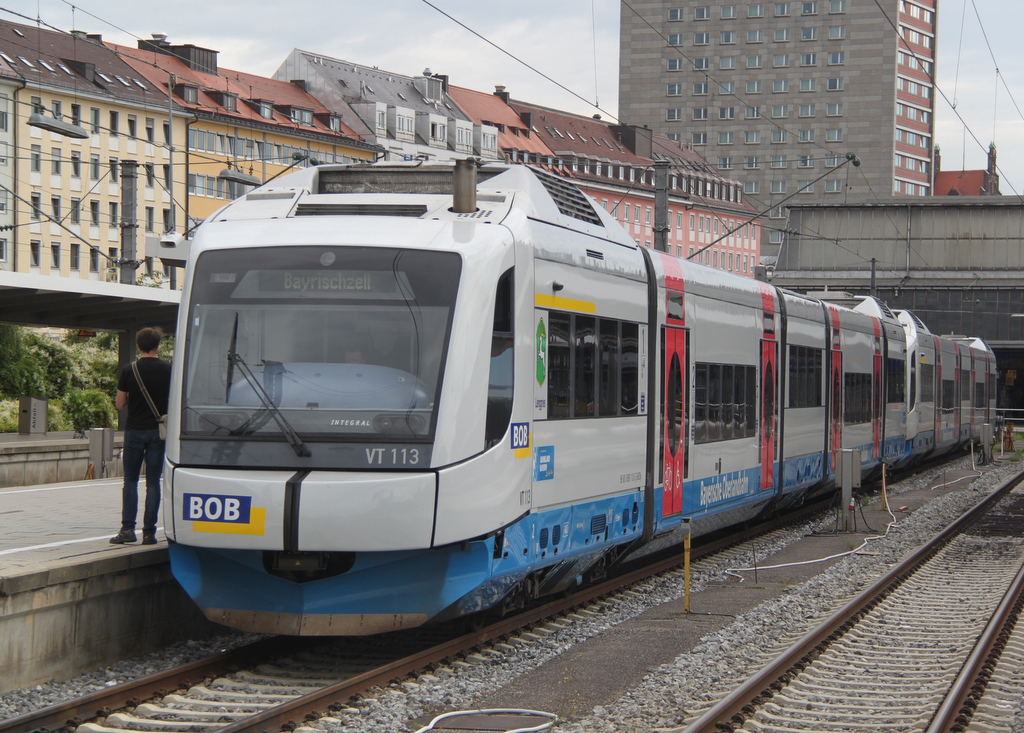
(300,83)
(499,91)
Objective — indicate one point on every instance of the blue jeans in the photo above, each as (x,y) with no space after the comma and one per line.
(139,446)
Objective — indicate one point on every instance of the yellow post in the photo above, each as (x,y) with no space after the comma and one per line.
(686,566)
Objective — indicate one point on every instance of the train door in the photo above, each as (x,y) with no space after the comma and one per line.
(769,411)
(958,381)
(939,392)
(771,393)
(835,389)
(877,396)
(674,430)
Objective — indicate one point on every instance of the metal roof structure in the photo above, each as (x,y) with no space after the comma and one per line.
(60,302)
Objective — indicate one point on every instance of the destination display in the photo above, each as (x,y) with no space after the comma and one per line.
(319,283)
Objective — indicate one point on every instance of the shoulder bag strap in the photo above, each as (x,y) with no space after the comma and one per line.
(145,392)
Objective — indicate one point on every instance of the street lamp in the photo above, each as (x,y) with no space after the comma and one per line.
(37,119)
(237,176)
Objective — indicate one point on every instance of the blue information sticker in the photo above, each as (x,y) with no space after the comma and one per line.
(544,463)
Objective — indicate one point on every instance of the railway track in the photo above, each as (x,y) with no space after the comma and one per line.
(930,646)
(286,681)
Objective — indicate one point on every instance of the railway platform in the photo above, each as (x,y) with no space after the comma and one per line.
(70,600)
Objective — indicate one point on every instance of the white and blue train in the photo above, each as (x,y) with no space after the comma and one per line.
(407,393)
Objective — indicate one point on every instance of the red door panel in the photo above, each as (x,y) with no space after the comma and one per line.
(674,436)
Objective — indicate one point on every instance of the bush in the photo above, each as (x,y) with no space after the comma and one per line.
(56,420)
(89,408)
(8,416)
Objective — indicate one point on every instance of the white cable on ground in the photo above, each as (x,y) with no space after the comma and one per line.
(552,718)
(734,572)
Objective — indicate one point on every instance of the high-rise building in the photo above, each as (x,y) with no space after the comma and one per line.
(776,94)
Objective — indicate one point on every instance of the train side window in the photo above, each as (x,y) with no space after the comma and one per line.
(948,395)
(979,394)
(728,404)
(751,374)
(584,386)
(608,373)
(559,366)
(629,369)
(856,398)
(675,305)
(965,385)
(500,380)
(714,402)
(724,402)
(927,383)
(700,403)
(913,381)
(896,370)
(805,376)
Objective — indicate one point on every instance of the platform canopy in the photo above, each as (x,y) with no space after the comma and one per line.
(61,302)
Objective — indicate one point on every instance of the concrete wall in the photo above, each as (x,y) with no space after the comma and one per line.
(48,462)
(59,622)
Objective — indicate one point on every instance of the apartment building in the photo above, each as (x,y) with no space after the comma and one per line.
(778,93)
(409,117)
(9,85)
(237,129)
(75,114)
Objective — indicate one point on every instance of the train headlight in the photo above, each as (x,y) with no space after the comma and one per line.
(400,424)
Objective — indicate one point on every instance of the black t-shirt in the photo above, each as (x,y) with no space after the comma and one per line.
(156,375)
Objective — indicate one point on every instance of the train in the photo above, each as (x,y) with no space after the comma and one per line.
(407,393)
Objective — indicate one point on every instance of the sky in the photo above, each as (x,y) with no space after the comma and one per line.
(574,43)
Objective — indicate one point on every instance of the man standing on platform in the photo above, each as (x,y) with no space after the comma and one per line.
(143,442)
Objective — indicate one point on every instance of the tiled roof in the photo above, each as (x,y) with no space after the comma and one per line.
(682,156)
(246,87)
(489,109)
(66,60)
(567,134)
(959,183)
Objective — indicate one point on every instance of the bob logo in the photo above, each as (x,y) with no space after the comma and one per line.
(223,514)
(521,439)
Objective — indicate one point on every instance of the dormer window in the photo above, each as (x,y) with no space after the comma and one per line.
(189,93)
(266,109)
(227,100)
(301,116)
(328,120)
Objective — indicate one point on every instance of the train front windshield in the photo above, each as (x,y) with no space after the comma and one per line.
(323,343)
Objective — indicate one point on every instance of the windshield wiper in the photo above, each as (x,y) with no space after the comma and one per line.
(294,440)
(231,362)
